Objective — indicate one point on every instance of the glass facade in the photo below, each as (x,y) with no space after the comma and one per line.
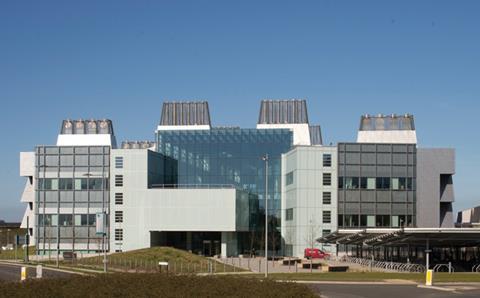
(229,156)
(376,185)
(72,185)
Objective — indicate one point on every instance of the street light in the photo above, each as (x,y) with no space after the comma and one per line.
(265,159)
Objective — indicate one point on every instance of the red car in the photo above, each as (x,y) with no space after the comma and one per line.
(315,253)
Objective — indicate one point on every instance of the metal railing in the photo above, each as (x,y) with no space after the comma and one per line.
(192,186)
(476,268)
(385,265)
(447,267)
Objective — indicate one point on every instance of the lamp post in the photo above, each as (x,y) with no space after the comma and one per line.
(265,158)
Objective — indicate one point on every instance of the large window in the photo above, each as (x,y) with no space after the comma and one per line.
(289,178)
(399,183)
(327,198)
(383,220)
(65,184)
(327,216)
(368,183)
(383,183)
(351,220)
(65,219)
(367,220)
(81,183)
(327,179)
(351,183)
(289,214)
(95,184)
(327,160)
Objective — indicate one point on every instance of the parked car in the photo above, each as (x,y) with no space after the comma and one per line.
(315,253)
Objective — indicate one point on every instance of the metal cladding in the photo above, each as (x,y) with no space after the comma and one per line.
(185,113)
(315,135)
(390,122)
(283,112)
(137,144)
(80,127)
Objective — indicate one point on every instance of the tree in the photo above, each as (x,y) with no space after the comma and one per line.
(311,235)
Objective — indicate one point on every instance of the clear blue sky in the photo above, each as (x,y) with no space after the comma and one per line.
(120,60)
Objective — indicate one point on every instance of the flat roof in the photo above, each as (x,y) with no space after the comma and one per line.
(437,237)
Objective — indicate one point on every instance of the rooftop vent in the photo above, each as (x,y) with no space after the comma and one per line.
(391,122)
(80,126)
(283,112)
(185,113)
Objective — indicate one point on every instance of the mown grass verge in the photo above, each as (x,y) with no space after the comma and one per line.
(146,260)
(373,276)
(154,285)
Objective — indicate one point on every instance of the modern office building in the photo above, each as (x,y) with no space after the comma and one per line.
(202,188)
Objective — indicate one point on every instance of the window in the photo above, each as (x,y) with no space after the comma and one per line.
(367,220)
(119,180)
(118,234)
(367,183)
(340,182)
(351,183)
(399,183)
(118,216)
(95,184)
(351,220)
(327,198)
(118,162)
(118,198)
(410,183)
(48,184)
(383,220)
(327,179)
(289,178)
(383,183)
(47,220)
(326,232)
(65,219)
(327,217)
(81,183)
(65,184)
(289,214)
(91,219)
(327,160)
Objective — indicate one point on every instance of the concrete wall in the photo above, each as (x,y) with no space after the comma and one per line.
(157,209)
(434,200)
(305,197)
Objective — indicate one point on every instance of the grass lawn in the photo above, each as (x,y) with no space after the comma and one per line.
(153,285)
(10,254)
(180,261)
(373,276)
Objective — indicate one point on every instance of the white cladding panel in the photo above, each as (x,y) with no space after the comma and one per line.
(86,140)
(387,136)
(27,164)
(162,209)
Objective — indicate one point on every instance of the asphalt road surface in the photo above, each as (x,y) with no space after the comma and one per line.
(10,272)
(390,291)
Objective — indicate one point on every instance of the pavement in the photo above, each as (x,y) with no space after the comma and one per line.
(11,272)
(367,290)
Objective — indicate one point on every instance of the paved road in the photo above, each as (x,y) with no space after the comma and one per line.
(11,272)
(390,291)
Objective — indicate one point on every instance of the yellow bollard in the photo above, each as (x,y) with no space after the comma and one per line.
(23,274)
(429,278)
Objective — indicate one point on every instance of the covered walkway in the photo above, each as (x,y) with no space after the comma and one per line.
(427,246)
